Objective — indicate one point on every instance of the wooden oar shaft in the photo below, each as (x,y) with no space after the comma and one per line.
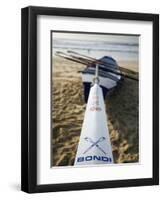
(69,57)
(106,64)
(61,54)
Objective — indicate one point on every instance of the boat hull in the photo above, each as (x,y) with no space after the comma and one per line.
(106,84)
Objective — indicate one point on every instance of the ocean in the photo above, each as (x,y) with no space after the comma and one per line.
(121,48)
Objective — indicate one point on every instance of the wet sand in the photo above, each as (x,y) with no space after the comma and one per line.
(68,109)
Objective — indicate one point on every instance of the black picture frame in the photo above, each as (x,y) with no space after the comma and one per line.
(29,98)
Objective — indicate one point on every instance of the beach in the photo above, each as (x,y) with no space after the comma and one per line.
(68,108)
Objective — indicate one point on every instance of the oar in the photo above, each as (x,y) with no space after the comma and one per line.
(88,57)
(93,59)
(69,57)
(91,141)
(76,59)
(123,69)
(113,70)
(94,144)
(83,59)
(63,55)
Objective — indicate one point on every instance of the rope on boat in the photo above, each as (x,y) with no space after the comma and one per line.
(96,78)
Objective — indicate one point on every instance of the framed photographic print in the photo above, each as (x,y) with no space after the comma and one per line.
(90,99)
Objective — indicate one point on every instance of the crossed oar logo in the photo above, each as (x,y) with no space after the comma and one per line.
(93,144)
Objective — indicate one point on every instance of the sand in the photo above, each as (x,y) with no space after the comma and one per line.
(68,109)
